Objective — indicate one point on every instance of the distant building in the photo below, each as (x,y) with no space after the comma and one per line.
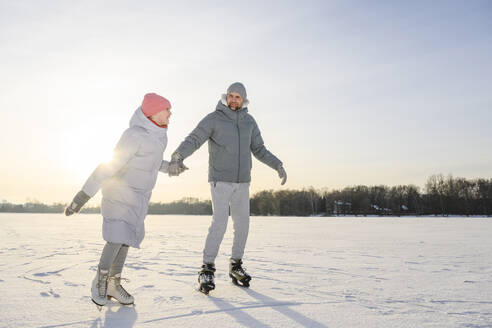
(381,210)
(341,207)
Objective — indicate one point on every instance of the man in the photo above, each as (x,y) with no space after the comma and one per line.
(232,136)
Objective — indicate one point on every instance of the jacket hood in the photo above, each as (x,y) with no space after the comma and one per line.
(140,120)
(223,99)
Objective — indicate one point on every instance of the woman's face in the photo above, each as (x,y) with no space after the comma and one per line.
(162,118)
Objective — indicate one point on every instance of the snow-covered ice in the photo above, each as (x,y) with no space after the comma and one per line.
(307,272)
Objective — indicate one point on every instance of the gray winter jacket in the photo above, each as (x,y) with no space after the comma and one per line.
(128,179)
(232,137)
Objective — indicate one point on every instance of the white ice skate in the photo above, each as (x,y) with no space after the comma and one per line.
(99,287)
(117,291)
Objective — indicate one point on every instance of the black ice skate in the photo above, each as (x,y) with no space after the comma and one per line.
(238,274)
(206,278)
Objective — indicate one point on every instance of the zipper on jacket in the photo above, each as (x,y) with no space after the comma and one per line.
(239,147)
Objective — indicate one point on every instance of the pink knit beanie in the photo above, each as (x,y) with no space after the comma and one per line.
(153,104)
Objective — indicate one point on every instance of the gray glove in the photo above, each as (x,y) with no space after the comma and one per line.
(78,201)
(176,166)
(282,174)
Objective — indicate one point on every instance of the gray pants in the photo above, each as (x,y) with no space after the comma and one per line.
(225,196)
(113,258)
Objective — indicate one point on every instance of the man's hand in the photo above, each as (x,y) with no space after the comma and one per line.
(78,201)
(176,166)
(282,174)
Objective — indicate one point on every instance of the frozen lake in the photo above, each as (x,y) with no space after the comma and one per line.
(307,272)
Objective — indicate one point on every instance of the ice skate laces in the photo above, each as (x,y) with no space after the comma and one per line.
(207,273)
(102,284)
(207,277)
(237,267)
(117,283)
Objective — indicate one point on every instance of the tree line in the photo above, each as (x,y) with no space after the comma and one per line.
(441,196)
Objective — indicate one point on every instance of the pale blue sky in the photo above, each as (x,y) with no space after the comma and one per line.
(345,92)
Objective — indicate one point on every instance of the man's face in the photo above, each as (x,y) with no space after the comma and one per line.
(162,118)
(234,100)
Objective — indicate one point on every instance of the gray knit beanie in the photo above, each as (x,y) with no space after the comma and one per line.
(239,88)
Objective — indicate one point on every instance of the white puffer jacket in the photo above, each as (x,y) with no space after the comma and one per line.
(128,179)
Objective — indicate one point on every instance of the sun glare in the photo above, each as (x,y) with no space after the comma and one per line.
(83,153)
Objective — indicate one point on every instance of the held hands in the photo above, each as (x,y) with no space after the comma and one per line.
(176,166)
(78,201)
(282,174)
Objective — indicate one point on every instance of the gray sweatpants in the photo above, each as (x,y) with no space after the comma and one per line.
(113,258)
(227,195)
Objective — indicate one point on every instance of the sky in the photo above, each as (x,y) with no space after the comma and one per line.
(344,92)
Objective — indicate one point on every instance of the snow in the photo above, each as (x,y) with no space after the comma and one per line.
(307,272)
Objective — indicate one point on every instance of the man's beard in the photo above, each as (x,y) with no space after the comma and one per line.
(235,107)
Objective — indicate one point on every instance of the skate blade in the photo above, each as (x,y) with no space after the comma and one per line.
(205,289)
(110,297)
(241,283)
(246,281)
(99,306)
